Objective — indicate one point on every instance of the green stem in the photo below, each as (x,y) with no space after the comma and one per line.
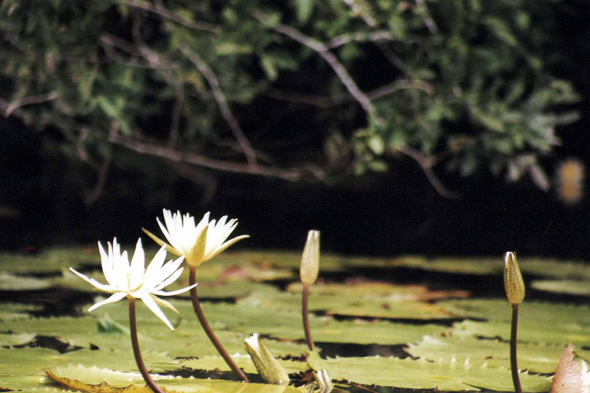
(304,301)
(209,331)
(136,352)
(513,340)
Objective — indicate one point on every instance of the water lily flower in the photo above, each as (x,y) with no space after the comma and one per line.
(133,280)
(197,243)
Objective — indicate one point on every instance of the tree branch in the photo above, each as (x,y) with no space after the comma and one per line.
(166,14)
(380,35)
(158,150)
(400,84)
(426,164)
(226,112)
(428,21)
(29,101)
(323,51)
(93,196)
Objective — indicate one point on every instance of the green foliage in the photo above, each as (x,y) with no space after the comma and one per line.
(462,82)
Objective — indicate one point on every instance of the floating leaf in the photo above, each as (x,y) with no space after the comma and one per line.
(103,387)
(379,290)
(537,312)
(243,361)
(11,282)
(15,311)
(531,331)
(94,376)
(7,339)
(580,288)
(461,348)
(392,306)
(422,374)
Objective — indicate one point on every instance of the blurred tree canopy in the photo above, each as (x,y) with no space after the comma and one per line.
(300,90)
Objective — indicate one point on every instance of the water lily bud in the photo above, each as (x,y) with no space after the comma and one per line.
(513,282)
(310,260)
(268,367)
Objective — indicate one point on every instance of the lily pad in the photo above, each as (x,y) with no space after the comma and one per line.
(475,266)
(493,353)
(8,339)
(380,290)
(569,287)
(537,312)
(531,332)
(350,305)
(15,311)
(422,374)
(243,361)
(11,282)
(93,375)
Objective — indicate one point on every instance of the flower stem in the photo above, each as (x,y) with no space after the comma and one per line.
(304,300)
(513,340)
(136,352)
(209,331)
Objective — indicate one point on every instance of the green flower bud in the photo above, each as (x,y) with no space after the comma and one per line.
(310,260)
(268,367)
(513,282)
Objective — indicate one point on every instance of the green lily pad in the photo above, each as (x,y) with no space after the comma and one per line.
(94,376)
(233,323)
(20,369)
(15,311)
(531,332)
(349,305)
(49,261)
(422,374)
(475,266)
(569,287)
(287,259)
(11,282)
(501,310)
(7,339)
(554,268)
(493,353)
(243,361)
(379,290)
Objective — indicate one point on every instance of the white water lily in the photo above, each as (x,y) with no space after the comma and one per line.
(197,243)
(134,280)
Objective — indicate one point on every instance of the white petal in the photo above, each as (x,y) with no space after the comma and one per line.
(137,266)
(151,304)
(93,282)
(167,234)
(173,277)
(153,281)
(174,293)
(165,303)
(115,297)
(156,264)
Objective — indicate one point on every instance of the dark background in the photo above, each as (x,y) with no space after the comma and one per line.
(388,214)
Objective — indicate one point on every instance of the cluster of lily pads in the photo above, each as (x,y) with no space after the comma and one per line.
(434,349)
